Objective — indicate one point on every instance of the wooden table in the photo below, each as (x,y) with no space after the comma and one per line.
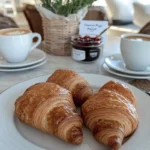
(112,46)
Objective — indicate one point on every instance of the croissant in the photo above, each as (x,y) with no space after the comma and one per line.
(73,82)
(120,89)
(50,108)
(110,114)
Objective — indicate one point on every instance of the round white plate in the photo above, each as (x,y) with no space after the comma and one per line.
(120,74)
(116,62)
(23,68)
(34,57)
(15,135)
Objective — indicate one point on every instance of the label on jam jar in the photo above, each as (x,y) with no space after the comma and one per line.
(93,54)
(78,54)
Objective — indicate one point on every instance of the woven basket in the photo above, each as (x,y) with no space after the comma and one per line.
(57,36)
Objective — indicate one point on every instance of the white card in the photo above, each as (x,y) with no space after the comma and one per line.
(88,27)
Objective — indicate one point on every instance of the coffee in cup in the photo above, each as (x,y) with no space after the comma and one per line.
(135,50)
(14,32)
(17,43)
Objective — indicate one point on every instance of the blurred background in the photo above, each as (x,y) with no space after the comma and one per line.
(123,16)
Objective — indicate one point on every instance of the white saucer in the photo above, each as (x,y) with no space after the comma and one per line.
(34,57)
(123,75)
(116,62)
(23,68)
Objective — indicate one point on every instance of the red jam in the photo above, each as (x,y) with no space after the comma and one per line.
(87,40)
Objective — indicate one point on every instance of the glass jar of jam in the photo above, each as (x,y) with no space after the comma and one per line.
(86,48)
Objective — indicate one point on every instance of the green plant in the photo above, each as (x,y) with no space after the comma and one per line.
(65,7)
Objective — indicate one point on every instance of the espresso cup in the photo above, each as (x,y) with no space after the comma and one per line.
(135,50)
(17,43)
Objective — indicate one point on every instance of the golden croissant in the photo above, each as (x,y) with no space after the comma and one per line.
(73,82)
(50,108)
(110,114)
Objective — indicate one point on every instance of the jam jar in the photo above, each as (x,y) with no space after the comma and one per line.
(86,48)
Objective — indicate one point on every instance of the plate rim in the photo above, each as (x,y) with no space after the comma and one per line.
(18,65)
(24,68)
(120,74)
(130,72)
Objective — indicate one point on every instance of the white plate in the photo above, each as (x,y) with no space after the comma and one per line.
(34,57)
(116,62)
(14,135)
(120,74)
(23,68)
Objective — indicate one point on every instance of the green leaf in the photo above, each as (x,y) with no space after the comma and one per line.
(65,7)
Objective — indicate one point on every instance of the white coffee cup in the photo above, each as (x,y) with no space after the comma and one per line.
(17,43)
(136,52)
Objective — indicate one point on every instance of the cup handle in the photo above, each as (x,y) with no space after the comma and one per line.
(38,42)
